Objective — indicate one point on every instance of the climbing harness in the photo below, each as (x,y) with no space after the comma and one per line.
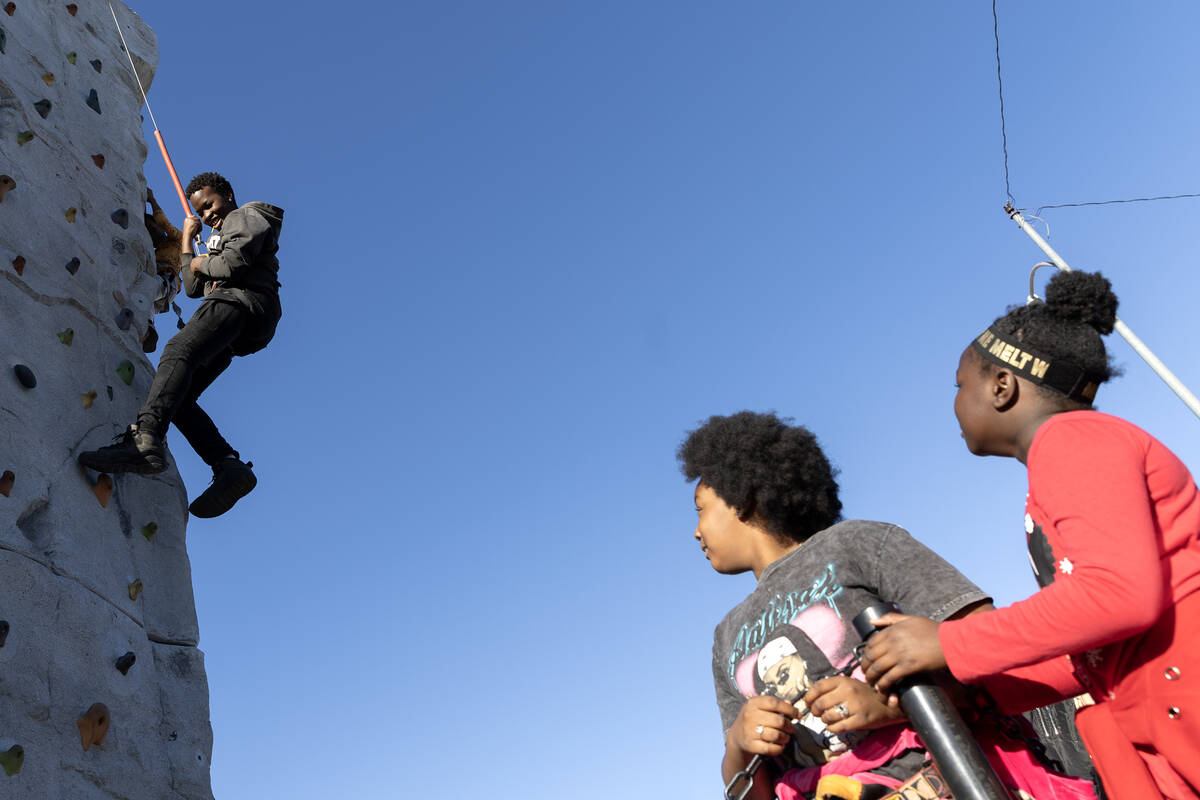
(746,775)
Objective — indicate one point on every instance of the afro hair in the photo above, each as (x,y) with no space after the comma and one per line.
(767,470)
(213,179)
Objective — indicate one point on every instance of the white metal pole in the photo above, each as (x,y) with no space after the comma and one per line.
(1137,344)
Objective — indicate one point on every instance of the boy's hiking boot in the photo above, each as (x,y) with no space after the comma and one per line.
(133,451)
(232,480)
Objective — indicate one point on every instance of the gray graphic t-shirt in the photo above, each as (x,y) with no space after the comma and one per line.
(795,628)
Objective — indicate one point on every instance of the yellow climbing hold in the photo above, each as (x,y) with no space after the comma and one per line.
(70,214)
(125,372)
(11,759)
(48,78)
(93,725)
(89,398)
(67,336)
(135,589)
(149,529)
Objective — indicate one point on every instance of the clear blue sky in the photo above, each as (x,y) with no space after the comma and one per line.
(527,246)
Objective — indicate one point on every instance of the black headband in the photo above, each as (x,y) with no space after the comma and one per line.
(1063,376)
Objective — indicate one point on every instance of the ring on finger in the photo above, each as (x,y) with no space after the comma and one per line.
(759,730)
(841,709)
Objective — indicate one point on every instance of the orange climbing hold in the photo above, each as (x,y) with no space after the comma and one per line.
(103,489)
(93,725)
(6,482)
(135,589)
(98,160)
(70,214)
(89,398)
(48,78)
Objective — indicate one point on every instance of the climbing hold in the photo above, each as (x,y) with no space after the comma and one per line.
(73,266)
(6,482)
(135,589)
(93,725)
(109,390)
(93,101)
(125,371)
(89,398)
(70,214)
(98,160)
(121,217)
(43,107)
(72,8)
(25,376)
(48,78)
(24,137)
(3,631)
(96,64)
(125,662)
(67,336)
(103,488)
(3,40)
(7,184)
(70,58)
(10,9)
(149,529)
(19,265)
(11,759)
(124,318)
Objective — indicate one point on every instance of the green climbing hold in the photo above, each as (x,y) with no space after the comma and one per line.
(24,137)
(67,336)
(73,266)
(125,371)
(70,58)
(149,529)
(25,376)
(93,101)
(12,758)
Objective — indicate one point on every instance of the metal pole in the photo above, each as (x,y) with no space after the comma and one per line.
(1137,344)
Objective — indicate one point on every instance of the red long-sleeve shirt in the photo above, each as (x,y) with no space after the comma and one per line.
(1120,514)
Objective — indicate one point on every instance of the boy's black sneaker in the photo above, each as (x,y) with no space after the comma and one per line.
(134,451)
(232,480)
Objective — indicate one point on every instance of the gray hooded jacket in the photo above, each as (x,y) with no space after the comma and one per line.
(241,266)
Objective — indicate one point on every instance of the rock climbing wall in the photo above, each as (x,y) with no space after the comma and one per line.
(102,687)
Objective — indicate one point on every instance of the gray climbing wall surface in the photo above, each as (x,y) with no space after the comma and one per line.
(102,686)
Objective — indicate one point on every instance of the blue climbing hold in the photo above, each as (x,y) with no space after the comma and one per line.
(73,266)
(93,101)
(43,107)
(25,376)
(124,318)
(3,40)
(96,65)
(121,217)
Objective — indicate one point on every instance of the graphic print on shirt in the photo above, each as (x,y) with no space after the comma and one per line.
(798,639)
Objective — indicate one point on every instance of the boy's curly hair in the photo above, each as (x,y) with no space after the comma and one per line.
(765,469)
(213,179)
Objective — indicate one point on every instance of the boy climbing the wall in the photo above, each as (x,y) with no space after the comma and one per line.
(238,280)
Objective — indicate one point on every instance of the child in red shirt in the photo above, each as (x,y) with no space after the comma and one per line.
(1113,529)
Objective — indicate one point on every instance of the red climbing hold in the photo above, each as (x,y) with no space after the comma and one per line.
(103,489)
(70,214)
(10,9)
(7,184)
(98,160)
(6,482)
(72,8)
(19,265)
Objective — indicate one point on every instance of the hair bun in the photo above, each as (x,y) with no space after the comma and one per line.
(1083,296)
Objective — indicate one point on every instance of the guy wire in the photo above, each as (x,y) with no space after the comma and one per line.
(1000,83)
(128,54)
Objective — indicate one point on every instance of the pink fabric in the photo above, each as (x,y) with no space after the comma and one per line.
(876,750)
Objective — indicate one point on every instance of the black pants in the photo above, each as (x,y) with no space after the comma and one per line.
(190,362)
